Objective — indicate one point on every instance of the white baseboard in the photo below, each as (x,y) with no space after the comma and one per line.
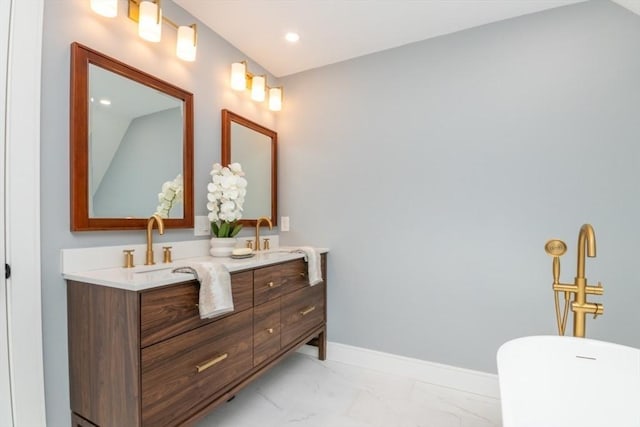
(467,380)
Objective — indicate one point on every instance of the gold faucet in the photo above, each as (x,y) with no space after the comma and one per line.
(158,219)
(580,289)
(580,306)
(262,218)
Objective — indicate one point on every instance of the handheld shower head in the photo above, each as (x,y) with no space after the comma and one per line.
(555,248)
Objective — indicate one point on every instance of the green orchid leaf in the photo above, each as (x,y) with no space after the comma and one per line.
(236,229)
(224,230)
(214,229)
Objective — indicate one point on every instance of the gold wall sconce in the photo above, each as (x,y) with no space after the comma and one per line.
(148,15)
(242,79)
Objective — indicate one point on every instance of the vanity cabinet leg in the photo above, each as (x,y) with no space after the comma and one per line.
(322,345)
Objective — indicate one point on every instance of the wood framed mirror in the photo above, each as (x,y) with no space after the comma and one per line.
(256,148)
(130,133)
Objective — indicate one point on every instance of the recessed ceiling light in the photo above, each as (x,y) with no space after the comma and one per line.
(292,37)
(105,101)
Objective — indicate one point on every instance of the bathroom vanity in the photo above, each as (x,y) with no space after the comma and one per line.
(139,354)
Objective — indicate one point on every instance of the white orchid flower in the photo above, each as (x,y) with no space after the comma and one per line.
(171,194)
(227,206)
(236,168)
(231,194)
(228,181)
(225,195)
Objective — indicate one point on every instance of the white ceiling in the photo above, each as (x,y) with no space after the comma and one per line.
(336,30)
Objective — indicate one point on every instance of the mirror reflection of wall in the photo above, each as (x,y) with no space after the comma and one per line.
(135,145)
(253,151)
(255,147)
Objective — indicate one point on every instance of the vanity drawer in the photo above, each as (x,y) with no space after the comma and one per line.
(302,310)
(172,310)
(294,275)
(267,284)
(180,375)
(266,331)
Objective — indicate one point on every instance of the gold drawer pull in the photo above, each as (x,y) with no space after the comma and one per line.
(307,310)
(211,362)
(270,330)
(271,284)
(302,275)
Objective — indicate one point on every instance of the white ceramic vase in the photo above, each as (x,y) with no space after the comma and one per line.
(222,246)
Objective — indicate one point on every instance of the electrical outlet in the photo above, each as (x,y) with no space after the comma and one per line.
(284,223)
(201,226)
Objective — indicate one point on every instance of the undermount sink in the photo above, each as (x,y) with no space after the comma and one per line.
(555,381)
(152,268)
(272,253)
(269,255)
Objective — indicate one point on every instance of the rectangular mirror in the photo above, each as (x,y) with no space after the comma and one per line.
(255,148)
(130,133)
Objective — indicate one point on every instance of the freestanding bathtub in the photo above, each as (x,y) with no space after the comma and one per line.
(553,381)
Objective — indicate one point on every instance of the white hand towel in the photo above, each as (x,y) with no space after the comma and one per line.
(312,257)
(215,297)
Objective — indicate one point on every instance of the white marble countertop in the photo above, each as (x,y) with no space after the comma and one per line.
(160,274)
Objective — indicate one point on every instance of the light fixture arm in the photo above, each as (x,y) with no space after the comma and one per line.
(158,12)
(195,33)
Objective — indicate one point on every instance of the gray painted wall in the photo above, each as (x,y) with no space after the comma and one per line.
(66,21)
(437,171)
(149,155)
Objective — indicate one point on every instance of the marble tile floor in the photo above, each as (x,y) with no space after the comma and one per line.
(305,392)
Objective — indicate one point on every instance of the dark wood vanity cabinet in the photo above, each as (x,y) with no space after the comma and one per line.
(145,358)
